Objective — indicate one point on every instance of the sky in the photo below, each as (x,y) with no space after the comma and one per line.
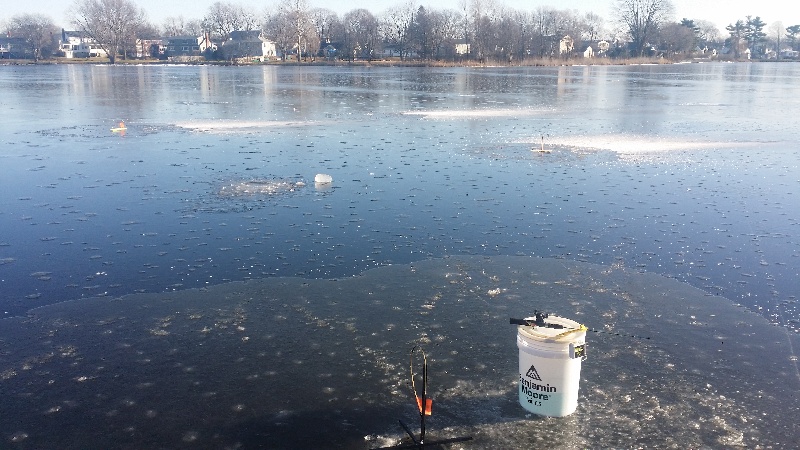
(719,12)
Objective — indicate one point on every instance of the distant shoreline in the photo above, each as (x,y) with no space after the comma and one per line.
(539,62)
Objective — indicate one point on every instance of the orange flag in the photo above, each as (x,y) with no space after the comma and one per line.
(428,405)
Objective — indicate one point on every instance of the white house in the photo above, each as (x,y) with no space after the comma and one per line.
(789,53)
(75,45)
(249,44)
(566,45)
(602,48)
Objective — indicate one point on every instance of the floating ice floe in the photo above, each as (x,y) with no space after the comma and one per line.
(323,178)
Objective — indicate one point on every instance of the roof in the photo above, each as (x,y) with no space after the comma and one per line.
(246,35)
(194,39)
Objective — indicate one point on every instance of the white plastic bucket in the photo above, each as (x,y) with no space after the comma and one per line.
(550,366)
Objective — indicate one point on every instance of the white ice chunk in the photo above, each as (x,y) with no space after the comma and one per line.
(323,178)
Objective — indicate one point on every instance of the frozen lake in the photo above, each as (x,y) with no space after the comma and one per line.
(195,286)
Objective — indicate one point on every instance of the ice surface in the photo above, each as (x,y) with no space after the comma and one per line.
(94,214)
(260,363)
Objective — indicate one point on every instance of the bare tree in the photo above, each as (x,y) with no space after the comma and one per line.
(707,32)
(109,22)
(776,32)
(594,24)
(509,36)
(484,16)
(571,24)
(641,19)
(224,17)
(676,38)
(395,26)
(178,26)
(551,25)
(36,30)
(292,28)
(360,34)
(526,29)
(278,26)
(450,22)
(327,23)
(303,29)
(546,31)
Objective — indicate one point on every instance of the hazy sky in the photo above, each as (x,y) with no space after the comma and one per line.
(719,12)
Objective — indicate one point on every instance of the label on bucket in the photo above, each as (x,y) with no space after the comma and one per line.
(540,396)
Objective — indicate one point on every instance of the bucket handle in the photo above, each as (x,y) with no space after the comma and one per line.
(574,330)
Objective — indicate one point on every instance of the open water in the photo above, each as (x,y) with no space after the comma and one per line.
(187,284)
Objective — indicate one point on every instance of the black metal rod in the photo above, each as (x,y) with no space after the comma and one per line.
(410,434)
(424,400)
(535,323)
(532,323)
(513,321)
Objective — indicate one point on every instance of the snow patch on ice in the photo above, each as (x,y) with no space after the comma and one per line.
(473,113)
(227,126)
(629,144)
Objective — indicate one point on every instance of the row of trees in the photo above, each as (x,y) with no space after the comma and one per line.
(749,34)
(484,29)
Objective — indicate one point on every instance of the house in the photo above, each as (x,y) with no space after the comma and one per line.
(188,48)
(75,44)
(462,48)
(329,51)
(566,45)
(789,53)
(391,50)
(150,48)
(603,47)
(14,48)
(250,45)
(589,52)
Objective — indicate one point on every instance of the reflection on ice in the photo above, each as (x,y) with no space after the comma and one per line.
(255,364)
